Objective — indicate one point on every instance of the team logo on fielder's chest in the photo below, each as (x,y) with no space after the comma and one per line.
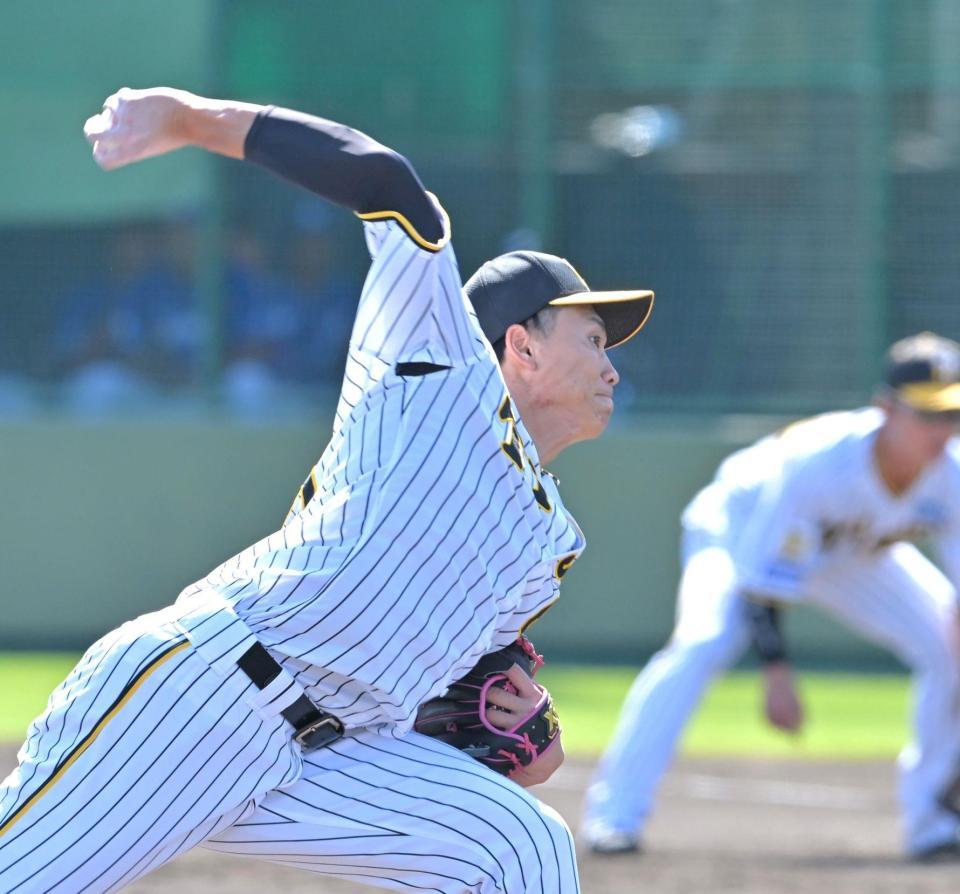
(794,546)
(512,446)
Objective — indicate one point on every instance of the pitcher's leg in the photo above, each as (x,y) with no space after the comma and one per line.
(409,813)
(141,745)
(710,634)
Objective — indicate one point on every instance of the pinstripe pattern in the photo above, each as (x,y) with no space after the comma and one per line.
(804,515)
(152,743)
(422,546)
(416,545)
(405,811)
(89,739)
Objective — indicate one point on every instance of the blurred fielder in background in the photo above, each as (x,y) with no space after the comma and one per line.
(269,712)
(824,511)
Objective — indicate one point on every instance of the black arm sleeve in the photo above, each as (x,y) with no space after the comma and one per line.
(343,165)
(765,632)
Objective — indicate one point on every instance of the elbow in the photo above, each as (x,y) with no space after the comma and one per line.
(396,187)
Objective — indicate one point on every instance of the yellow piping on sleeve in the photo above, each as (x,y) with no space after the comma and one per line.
(409,228)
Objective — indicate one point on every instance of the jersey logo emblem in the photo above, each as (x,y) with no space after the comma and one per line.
(512,446)
(564,565)
(794,547)
(304,496)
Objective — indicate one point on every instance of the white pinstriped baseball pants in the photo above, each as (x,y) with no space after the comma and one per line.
(898,600)
(146,751)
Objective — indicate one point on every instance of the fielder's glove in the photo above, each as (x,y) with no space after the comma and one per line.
(459,717)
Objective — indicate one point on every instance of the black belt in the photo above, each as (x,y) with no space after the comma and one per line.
(313,728)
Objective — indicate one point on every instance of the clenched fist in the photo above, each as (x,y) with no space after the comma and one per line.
(138,124)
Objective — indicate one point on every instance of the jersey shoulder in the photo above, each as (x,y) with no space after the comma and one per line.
(828,438)
(811,448)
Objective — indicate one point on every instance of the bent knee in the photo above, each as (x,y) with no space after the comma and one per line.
(533,852)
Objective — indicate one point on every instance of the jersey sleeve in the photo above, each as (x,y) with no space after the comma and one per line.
(412,308)
(780,542)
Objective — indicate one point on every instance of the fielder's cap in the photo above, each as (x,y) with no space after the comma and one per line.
(514,287)
(924,372)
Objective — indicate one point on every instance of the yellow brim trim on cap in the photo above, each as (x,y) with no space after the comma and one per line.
(602,297)
(931,397)
(581,298)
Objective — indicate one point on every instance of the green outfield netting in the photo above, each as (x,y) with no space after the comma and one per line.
(783,174)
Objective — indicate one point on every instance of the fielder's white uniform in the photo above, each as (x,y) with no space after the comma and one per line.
(804,515)
(424,537)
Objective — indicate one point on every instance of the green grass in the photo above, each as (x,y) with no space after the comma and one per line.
(26,679)
(848,715)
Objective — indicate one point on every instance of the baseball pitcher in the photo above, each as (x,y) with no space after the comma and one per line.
(270,711)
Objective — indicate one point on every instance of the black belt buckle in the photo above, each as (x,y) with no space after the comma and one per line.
(313,728)
(318,733)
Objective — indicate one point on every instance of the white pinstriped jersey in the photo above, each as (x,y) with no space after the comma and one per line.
(427,534)
(797,501)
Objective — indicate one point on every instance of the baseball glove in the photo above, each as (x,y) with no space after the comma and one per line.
(459,717)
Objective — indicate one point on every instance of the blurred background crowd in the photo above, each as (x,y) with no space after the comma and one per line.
(782,174)
(134,330)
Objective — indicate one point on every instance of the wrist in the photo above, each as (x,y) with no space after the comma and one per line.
(778,670)
(185,117)
(216,125)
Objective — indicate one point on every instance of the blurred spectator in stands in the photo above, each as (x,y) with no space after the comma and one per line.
(325,295)
(262,322)
(127,333)
(285,334)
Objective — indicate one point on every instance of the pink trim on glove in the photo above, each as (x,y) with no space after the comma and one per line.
(531,653)
(518,765)
(491,681)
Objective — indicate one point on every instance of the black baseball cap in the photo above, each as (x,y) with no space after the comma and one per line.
(923,371)
(513,287)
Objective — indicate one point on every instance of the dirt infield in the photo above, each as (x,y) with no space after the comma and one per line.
(723,826)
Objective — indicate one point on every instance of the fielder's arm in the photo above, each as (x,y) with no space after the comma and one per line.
(766,632)
(332,160)
(781,703)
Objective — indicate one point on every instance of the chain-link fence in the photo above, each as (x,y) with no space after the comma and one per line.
(781,173)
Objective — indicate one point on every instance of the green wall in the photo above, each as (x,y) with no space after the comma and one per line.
(105,521)
(58,63)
